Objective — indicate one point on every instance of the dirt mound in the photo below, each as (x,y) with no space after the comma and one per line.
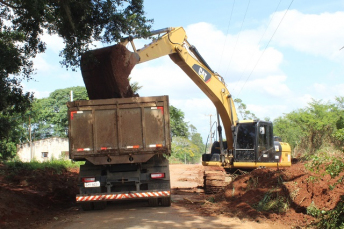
(105,72)
(283,194)
(29,198)
(279,197)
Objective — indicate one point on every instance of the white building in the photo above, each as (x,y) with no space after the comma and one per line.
(44,150)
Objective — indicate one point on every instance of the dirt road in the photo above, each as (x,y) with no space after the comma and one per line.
(186,182)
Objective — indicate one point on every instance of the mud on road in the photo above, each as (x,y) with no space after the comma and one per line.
(43,199)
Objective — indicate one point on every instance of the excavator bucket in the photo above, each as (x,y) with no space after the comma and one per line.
(105,72)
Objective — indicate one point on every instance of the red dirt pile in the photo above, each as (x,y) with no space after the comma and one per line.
(295,187)
(31,198)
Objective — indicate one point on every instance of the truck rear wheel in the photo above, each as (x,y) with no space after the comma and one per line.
(99,205)
(153,202)
(166,201)
(87,206)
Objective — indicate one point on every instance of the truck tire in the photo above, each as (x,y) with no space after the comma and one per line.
(153,202)
(99,205)
(166,201)
(87,206)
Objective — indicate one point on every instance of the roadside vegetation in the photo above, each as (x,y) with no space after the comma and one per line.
(57,165)
(310,130)
(316,135)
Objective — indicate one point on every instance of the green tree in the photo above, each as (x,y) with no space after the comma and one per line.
(242,109)
(178,126)
(339,133)
(78,22)
(13,101)
(183,149)
(310,128)
(134,85)
(196,138)
(187,146)
(11,134)
(49,115)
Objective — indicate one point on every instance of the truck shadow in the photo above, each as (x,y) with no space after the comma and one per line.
(138,214)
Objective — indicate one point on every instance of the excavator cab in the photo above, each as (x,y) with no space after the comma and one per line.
(254,142)
(253,146)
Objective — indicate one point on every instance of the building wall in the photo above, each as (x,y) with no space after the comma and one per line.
(44,150)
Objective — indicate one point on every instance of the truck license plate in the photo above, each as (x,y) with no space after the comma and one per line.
(92,184)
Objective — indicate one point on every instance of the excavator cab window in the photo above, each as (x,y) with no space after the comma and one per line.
(244,147)
(246,136)
(265,138)
(265,141)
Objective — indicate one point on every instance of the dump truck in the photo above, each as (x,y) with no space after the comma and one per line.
(125,143)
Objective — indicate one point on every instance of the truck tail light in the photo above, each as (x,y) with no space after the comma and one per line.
(133,147)
(88,179)
(157,175)
(155,145)
(83,149)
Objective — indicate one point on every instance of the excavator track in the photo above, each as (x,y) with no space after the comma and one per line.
(215,179)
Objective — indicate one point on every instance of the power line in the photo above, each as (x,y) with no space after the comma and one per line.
(224,45)
(266,46)
(261,38)
(238,36)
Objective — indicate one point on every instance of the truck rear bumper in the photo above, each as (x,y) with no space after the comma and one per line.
(121,196)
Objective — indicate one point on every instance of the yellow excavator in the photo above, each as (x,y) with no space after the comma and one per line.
(249,144)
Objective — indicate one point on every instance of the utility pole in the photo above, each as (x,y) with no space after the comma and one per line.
(30,139)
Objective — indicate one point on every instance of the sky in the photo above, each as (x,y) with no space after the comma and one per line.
(275,55)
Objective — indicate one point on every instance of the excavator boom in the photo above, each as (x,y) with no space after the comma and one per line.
(112,66)
(174,43)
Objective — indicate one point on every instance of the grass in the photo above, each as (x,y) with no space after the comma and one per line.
(252,183)
(57,165)
(273,202)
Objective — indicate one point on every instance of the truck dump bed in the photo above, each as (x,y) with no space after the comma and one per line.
(119,131)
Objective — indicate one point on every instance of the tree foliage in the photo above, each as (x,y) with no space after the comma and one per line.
(78,22)
(178,126)
(49,115)
(308,129)
(242,109)
(185,149)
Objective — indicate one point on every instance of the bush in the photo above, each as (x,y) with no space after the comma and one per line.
(58,166)
(333,218)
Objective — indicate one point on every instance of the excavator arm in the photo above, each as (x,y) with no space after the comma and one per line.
(173,42)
